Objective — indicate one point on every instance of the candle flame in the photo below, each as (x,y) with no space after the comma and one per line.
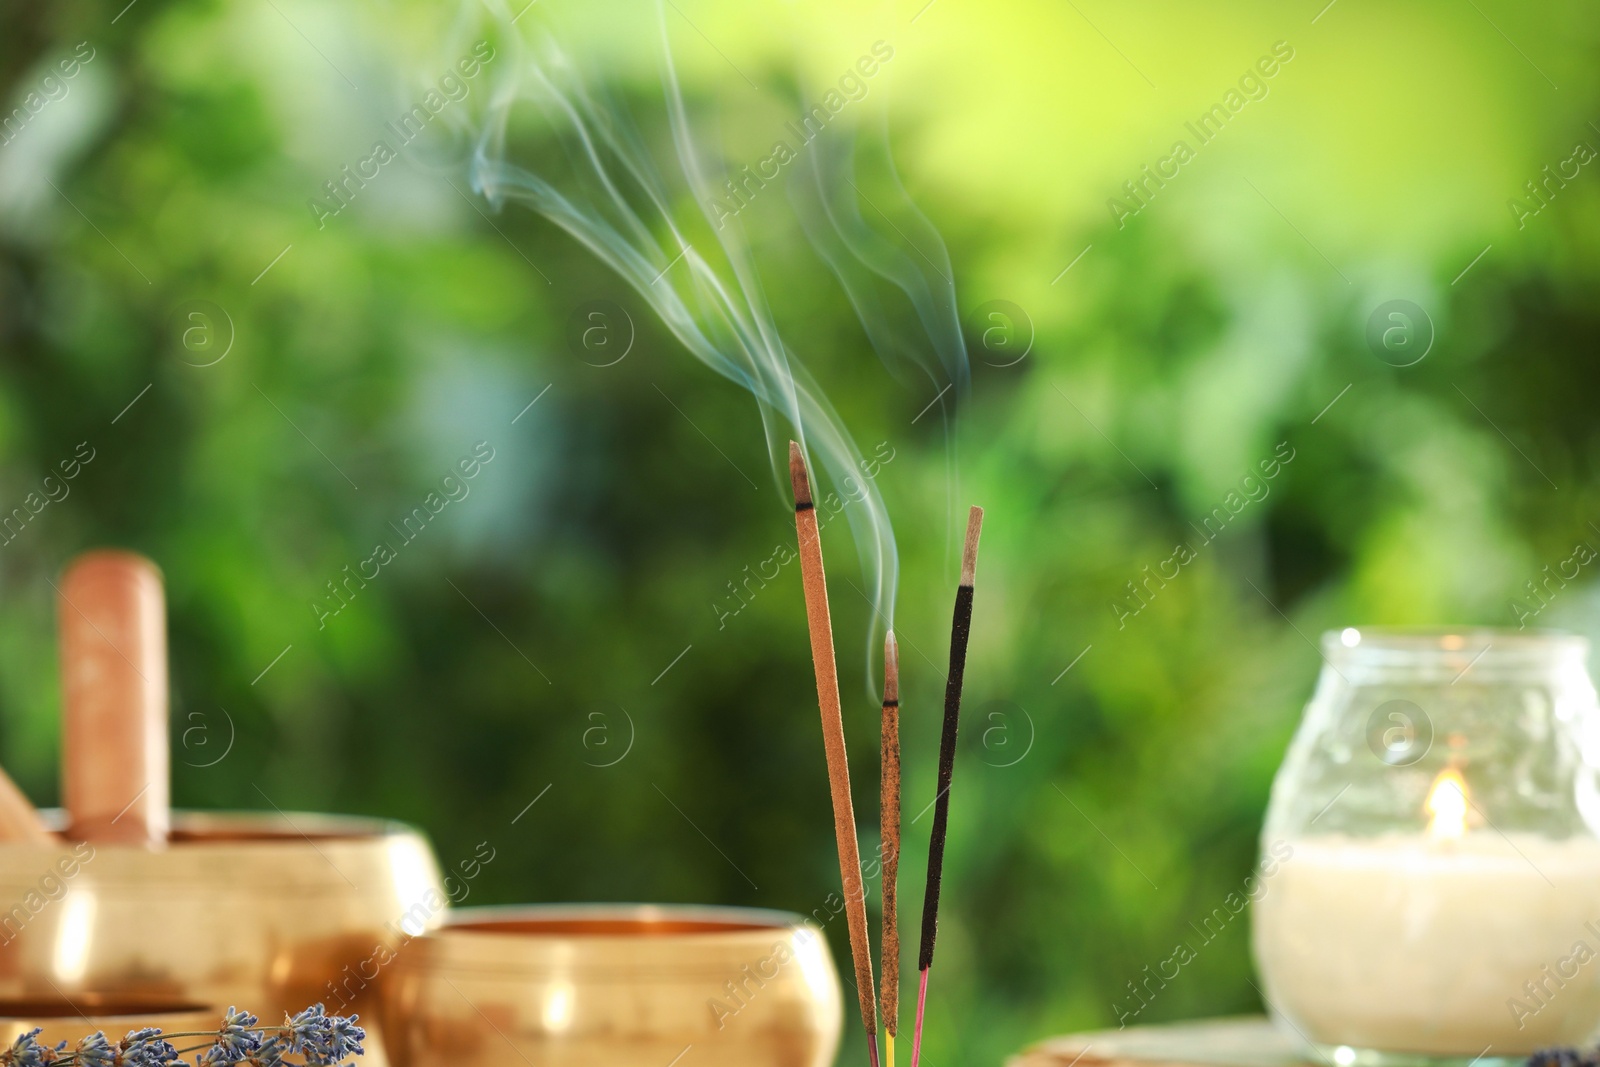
(1447,805)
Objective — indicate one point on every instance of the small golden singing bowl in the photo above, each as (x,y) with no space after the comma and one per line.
(615,985)
(267,911)
(72,1018)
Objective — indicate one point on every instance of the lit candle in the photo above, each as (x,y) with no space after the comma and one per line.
(1458,941)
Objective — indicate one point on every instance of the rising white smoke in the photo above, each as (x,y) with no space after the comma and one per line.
(650,224)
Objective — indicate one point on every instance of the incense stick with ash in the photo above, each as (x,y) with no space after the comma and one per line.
(889,808)
(844,817)
(960,630)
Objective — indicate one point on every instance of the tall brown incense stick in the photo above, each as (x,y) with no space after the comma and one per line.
(844,816)
(889,806)
(960,630)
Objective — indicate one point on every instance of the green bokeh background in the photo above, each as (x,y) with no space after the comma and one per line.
(1106,806)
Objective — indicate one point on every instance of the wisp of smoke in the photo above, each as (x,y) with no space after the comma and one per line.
(828,202)
(878,272)
(614,199)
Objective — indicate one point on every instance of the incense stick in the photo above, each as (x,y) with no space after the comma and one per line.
(960,630)
(889,814)
(844,816)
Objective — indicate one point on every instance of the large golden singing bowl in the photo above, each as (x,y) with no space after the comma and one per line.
(70,1019)
(270,912)
(613,985)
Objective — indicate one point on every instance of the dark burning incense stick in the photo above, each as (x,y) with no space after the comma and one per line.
(960,630)
(844,816)
(889,806)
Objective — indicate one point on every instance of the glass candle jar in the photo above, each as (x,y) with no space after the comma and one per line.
(1435,886)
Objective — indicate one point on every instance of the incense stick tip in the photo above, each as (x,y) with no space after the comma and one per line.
(798,476)
(969,554)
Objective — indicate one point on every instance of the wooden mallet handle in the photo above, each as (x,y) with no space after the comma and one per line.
(112,614)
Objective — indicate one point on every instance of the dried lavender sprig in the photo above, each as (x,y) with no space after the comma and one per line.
(322,1040)
(1564,1057)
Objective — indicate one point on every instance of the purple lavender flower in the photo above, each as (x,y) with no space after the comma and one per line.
(144,1048)
(324,1039)
(1562,1057)
(235,1041)
(22,1049)
(347,1038)
(26,1051)
(268,1053)
(311,1035)
(95,1051)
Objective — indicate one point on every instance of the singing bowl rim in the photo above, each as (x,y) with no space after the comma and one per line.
(498,922)
(220,856)
(197,829)
(469,945)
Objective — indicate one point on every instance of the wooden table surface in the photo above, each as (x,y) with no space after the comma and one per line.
(1244,1041)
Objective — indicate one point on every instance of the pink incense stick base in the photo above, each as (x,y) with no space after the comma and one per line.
(922,1006)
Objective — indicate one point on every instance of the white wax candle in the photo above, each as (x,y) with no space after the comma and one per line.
(1408,944)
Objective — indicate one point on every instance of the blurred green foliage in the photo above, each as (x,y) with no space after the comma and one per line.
(1107,805)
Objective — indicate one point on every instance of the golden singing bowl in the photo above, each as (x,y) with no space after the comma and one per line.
(268,911)
(613,985)
(71,1018)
